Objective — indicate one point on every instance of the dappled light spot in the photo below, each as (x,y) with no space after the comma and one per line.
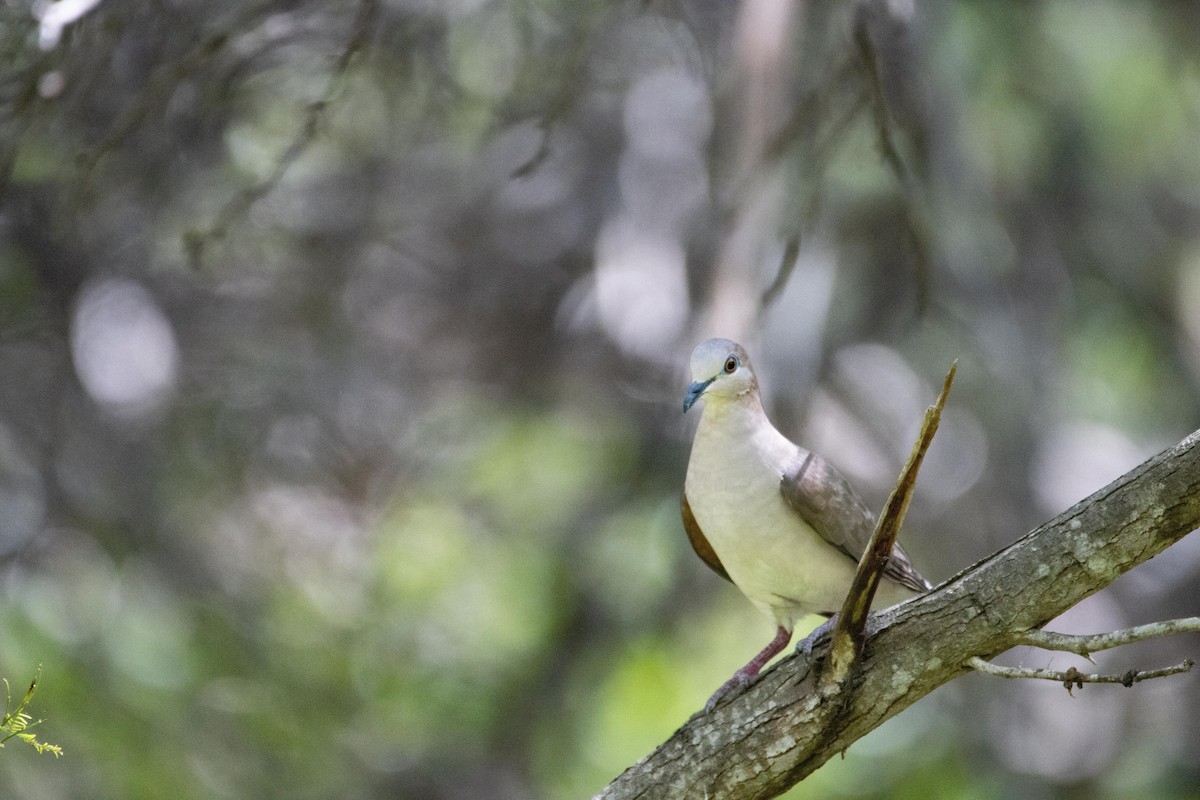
(1077,457)
(123,347)
(641,288)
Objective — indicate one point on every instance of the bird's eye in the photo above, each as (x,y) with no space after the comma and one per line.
(731,364)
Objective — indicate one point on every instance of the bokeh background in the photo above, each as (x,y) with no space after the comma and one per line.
(342,348)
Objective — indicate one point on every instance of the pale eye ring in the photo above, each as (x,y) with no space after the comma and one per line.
(731,365)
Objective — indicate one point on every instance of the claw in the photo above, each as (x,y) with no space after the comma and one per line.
(824,630)
(740,680)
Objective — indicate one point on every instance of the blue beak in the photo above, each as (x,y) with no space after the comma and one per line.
(693,393)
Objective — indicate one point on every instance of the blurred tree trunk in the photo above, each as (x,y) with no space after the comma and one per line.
(784,727)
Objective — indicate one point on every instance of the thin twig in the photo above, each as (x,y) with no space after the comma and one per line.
(1086,644)
(1072,677)
(314,112)
(883,123)
(885,126)
(787,263)
(848,634)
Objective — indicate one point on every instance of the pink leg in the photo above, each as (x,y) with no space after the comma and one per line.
(745,675)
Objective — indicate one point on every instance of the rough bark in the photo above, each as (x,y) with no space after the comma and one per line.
(763,741)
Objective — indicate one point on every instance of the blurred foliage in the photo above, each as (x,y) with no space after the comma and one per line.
(343,346)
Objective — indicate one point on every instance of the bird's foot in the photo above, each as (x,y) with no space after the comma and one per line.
(746,675)
(822,631)
(740,680)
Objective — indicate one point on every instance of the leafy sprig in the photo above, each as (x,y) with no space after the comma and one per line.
(16,722)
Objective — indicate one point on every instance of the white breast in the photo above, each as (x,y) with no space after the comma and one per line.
(778,561)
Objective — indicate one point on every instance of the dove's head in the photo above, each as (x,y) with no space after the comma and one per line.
(720,369)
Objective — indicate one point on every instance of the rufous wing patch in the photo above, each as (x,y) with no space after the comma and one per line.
(699,542)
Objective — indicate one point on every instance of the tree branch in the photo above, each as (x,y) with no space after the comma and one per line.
(783,727)
(1072,677)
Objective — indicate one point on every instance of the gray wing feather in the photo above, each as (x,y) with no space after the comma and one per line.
(828,503)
